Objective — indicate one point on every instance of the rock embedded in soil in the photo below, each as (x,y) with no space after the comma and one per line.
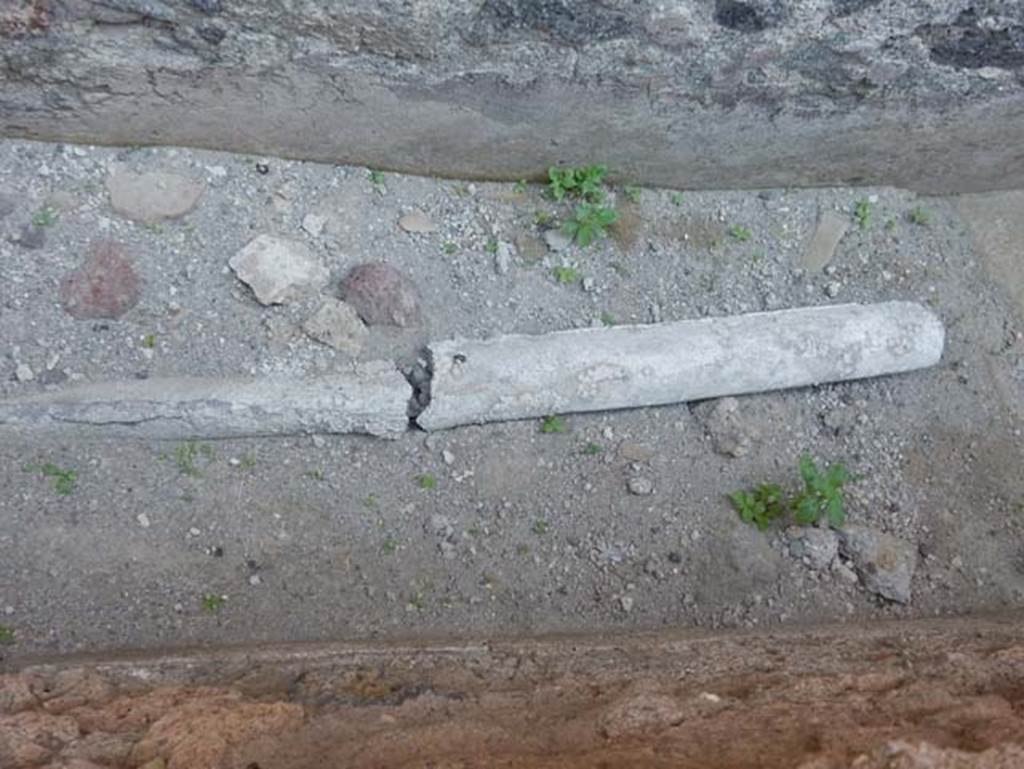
(557,240)
(337,325)
(382,295)
(417,222)
(640,486)
(730,435)
(278,269)
(885,563)
(104,286)
(829,232)
(152,196)
(31,237)
(817,547)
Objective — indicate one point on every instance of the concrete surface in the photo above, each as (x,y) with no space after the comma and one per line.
(519,377)
(695,94)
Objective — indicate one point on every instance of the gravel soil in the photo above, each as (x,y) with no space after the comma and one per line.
(618,520)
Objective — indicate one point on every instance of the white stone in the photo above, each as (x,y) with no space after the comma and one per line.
(24,373)
(557,240)
(520,376)
(143,520)
(277,269)
(314,224)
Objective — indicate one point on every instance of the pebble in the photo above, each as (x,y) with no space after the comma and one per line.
(640,486)
(143,520)
(448,457)
(626,602)
(314,224)
(816,547)
(104,286)
(503,257)
(417,222)
(557,240)
(152,196)
(381,295)
(832,288)
(194,531)
(337,325)
(277,269)
(636,452)
(254,580)
(24,373)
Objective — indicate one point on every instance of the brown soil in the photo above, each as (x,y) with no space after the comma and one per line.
(944,694)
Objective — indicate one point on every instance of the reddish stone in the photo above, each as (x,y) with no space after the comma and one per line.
(105,286)
(381,295)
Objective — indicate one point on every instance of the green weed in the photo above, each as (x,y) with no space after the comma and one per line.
(212,603)
(519,187)
(586,183)
(45,216)
(593,449)
(919,216)
(6,636)
(553,424)
(607,319)
(377,178)
(491,246)
(426,481)
(822,495)
(186,454)
(63,479)
(760,506)
(543,218)
(862,212)
(739,233)
(633,193)
(449,247)
(677,199)
(540,527)
(389,546)
(566,275)
(589,223)
(149,341)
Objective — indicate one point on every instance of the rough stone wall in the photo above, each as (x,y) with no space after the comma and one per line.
(687,93)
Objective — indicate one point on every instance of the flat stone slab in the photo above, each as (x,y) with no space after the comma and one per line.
(520,376)
(371,398)
(829,231)
(152,196)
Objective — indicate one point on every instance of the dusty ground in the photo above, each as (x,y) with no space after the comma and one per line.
(908,695)
(525,532)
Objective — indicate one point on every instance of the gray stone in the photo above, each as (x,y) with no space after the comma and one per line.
(417,222)
(31,237)
(885,563)
(557,240)
(314,224)
(815,546)
(503,257)
(819,94)
(830,230)
(640,486)
(337,325)
(277,269)
(382,295)
(368,398)
(24,373)
(518,376)
(730,435)
(152,196)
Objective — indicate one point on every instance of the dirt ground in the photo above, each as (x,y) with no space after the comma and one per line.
(311,538)
(938,694)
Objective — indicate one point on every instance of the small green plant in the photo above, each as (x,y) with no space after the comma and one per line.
(566,275)
(607,319)
(822,494)
(633,193)
(377,178)
(186,454)
(426,481)
(862,212)
(247,462)
(519,187)
(522,549)
(543,218)
(760,506)
(540,527)
(45,216)
(314,475)
(593,449)
(491,246)
(677,199)
(6,636)
(589,223)
(212,603)
(389,546)
(63,479)
(739,233)
(371,502)
(586,183)
(449,247)
(553,424)
(149,341)
(890,224)
(919,216)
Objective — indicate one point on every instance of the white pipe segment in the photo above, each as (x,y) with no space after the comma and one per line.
(518,376)
(372,398)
